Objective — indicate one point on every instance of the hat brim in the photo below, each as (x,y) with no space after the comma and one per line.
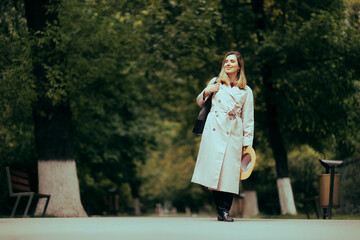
(248,160)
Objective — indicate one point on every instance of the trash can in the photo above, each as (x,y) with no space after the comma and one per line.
(324,191)
(329,194)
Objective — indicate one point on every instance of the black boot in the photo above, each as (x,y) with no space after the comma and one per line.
(224,216)
(223,201)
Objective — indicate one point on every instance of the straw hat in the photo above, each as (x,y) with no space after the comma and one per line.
(248,160)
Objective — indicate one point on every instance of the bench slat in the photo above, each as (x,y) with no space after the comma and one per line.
(18,173)
(20,187)
(23,181)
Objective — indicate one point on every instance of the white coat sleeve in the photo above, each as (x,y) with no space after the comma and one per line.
(200,100)
(248,118)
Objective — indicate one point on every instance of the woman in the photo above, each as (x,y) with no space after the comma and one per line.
(228,130)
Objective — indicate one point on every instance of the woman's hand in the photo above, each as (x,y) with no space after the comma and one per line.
(211,88)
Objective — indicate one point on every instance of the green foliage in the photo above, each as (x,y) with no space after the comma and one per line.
(310,78)
(97,195)
(167,172)
(349,192)
(263,180)
(16,94)
(304,169)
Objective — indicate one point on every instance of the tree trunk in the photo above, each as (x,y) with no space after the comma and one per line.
(134,186)
(137,208)
(286,196)
(53,124)
(287,202)
(59,179)
(251,208)
(56,166)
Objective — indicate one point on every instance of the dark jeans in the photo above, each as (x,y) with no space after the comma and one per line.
(223,201)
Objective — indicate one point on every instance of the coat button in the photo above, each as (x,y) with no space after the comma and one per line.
(219,101)
(217,115)
(227,133)
(230,118)
(213,129)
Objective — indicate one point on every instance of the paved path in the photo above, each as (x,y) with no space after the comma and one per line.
(175,228)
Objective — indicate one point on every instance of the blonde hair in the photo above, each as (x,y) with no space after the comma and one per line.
(240,80)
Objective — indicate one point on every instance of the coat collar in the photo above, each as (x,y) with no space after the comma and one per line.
(233,91)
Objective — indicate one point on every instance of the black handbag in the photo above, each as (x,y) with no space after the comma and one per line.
(201,119)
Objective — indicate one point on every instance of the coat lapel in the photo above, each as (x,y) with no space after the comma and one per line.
(232,91)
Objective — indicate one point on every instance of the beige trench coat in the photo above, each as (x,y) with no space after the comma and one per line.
(219,157)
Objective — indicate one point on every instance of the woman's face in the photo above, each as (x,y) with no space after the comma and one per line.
(231,64)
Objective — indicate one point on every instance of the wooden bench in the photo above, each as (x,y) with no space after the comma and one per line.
(19,186)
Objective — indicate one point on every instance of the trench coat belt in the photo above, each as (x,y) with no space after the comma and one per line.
(231,113)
